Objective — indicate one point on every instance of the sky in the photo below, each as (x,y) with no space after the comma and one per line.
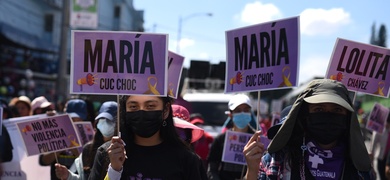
(321,23)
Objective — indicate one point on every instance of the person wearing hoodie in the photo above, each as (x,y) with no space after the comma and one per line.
(241,119)
(320,139)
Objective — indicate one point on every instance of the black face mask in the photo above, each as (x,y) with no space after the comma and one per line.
(326,127)
(144,123)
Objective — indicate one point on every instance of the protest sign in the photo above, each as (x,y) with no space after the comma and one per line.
(360,67)
(48,134)
(115,62)
(85,131)
(377,118)
(263,56)
(233,147)
(175,67)
(21,165)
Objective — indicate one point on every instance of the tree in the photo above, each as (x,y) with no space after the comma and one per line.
(379,40)
(373,38)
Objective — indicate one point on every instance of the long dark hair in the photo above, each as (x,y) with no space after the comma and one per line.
(294,155)
(96,143)
(98,140)
(168,133)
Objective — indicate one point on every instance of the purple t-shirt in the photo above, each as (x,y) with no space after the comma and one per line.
(325,164)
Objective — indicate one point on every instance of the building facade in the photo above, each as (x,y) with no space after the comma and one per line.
(30,41)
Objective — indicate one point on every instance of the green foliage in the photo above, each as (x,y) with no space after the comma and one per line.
(382,36)
(369,101)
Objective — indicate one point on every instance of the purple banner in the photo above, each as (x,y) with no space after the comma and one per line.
(115,62)
(175,67)
(85,131)
(49,134)
(263,56)
(361,67)
(233,147)
(377,119)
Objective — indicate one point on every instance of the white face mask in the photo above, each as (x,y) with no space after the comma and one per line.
(106,127)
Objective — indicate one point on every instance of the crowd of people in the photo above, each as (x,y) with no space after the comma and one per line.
(151,137)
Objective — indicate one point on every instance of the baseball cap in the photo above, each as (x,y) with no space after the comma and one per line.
(108,110)
(77,108)
(275,128)
(24,99)
(237,100)
(181,118)
(330,91)
(40,102)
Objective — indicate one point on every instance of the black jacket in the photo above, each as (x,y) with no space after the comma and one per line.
(101,162)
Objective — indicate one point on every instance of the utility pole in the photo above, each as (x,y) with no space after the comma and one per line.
(62,83)
(181,20)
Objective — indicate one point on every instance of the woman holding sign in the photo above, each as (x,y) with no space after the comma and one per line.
(320,139)
(240,120)
(105,123)
(149,147)
(380,142)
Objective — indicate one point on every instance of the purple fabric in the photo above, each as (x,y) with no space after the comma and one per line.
(325,164)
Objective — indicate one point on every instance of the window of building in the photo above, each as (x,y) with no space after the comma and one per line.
(49,22)
(117,11)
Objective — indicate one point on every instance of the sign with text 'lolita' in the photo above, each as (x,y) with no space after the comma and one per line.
(175,67)
(361,67)
(48,134)
(115,62)
(263,56)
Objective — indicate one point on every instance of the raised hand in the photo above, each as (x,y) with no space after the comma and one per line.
(61,171)
(117,153)
(253,151)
